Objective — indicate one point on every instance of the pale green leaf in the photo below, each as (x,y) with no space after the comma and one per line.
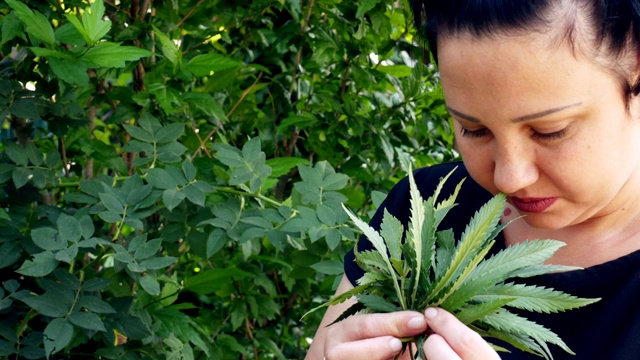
(533,298)
(94,22)
(391,230)
(204,65)
(514,324)
(110,55)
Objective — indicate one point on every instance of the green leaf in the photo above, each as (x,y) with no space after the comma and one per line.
(533,298)
(146,250)
(377,303)
(204,283)
(204,65)
(215,242)
(67,255)
(42,264)
(169,133)
(57,335)
(172,198)
(158,262)
(69,228)
(170,51)
(329,267)
(150,284)
(34,154)
(95,284)
(95,304)
(71,71)
(513,324)
(47,305)
(301,121)
(139,133)
(37,24)
(283,165)
(94,21)
(194,194)
(161,179)
(16,153)
(113,55)
(112,203)
(364,6)
(87,320)
(11,27)
(47,239)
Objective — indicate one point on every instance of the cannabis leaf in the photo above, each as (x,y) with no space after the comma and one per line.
(430,268)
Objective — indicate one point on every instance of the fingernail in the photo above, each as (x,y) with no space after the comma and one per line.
(395,344)
(431,313)
(417,323)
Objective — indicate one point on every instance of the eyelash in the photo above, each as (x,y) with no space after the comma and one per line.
(475,134)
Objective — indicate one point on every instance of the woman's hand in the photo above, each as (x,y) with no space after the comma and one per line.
(377,336)
(372,336)
(452,340)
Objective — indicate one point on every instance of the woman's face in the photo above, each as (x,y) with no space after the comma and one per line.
(547,127)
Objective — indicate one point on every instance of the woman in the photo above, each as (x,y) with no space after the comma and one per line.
(544,100)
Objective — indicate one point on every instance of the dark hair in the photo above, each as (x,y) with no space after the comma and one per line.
(615,23)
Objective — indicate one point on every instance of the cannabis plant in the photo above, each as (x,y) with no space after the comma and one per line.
(423,267)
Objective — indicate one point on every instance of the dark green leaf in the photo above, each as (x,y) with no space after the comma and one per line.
(150,284)
(87,320)
(148,249)
(57,335)
(47,239)
(157,263)
(47,305)
(42,264)
(169,133)
(112,203)
(69,228)
(172,198)
(95,304)
(160,179)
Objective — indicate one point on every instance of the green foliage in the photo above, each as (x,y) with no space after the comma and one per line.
(431,269)
(171,178)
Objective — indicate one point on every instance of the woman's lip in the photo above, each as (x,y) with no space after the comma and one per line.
(532,205)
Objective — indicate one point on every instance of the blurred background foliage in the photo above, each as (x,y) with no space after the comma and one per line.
(172,171)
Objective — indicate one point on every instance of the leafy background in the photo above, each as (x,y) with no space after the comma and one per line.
(172,171)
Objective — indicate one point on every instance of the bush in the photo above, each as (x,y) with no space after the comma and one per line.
(172,171)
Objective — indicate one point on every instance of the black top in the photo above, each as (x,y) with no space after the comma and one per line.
(608,329)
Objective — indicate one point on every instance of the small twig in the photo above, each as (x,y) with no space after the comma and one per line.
(189,13)
(303,32)
(244,95)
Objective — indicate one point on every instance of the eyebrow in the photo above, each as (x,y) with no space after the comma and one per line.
(518,119)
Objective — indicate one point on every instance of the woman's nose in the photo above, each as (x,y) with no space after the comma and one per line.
(515,169)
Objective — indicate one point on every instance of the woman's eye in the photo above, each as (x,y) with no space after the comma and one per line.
(550,136)
(473,134)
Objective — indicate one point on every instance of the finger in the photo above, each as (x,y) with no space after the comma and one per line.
(381,348)
(359,327)
(465,342)
(437,348)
